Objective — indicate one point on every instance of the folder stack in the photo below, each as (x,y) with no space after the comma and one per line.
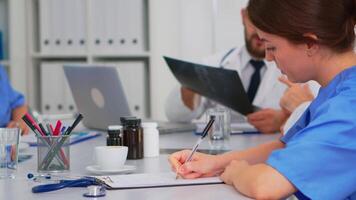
(117,26)
(111,26)
(56,97)
(62,26)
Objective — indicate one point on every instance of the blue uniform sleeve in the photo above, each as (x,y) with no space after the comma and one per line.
(320,159)
(15,98)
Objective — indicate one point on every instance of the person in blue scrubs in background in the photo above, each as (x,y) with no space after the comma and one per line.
(316,158)
(12,104)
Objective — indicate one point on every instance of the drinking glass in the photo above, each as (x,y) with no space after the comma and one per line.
(9,142)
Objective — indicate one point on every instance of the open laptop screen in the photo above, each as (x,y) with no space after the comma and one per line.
(98,94)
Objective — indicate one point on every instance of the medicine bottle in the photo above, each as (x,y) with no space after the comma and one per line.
(123,119)
(114,137)
(133,138)
(150,139)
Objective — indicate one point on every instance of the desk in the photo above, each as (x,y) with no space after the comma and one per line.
(81,156)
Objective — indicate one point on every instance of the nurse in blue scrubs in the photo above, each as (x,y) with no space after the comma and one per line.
(12,104)
(316,158)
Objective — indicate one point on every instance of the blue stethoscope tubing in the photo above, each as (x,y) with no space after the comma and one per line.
(221,63)
(82,182)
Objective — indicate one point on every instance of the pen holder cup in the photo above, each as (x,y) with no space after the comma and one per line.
(53,153)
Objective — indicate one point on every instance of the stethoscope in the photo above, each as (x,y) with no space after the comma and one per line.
(95,188)
(225,57)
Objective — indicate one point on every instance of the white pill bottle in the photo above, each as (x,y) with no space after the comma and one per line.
(150,139)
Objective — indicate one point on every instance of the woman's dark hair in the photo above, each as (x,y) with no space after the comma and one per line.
(332,21)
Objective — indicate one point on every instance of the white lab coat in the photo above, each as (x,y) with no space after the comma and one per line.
(268,94)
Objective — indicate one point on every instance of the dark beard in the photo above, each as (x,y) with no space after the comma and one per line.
(253,52)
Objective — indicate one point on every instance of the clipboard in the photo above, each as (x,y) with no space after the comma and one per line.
(221,85)
(153,180)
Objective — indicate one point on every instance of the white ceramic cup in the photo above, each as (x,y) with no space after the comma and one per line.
(110,157)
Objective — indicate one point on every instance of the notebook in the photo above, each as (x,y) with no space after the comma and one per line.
(146,180)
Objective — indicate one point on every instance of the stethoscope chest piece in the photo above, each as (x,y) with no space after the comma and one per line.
(95,191)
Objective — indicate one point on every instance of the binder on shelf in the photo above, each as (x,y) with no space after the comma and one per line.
(66,26)
(133,75)
(135,25)
(121,25)
(117,26)
(109,42)
(57,30)
(44,26)
(62,26)
(79,29)
(52,93)
(56,97)
(74,23)
(97,10)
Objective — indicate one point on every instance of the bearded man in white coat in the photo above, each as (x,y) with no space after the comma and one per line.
(259,78)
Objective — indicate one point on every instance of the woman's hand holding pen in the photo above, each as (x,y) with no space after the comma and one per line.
(201,165)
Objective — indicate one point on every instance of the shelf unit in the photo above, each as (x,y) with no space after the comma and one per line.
(89,56)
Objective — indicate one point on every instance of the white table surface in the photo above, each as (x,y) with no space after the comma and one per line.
(81,156)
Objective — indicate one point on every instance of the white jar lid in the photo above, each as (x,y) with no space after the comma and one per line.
(114,127)
(149,125)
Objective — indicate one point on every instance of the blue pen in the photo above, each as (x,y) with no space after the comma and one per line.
(63,129)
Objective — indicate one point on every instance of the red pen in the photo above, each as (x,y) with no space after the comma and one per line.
(57,129)
(34,124)
(51,127)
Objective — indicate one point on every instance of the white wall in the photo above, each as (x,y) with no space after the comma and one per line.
(17,50)
(188,30)
(228,28)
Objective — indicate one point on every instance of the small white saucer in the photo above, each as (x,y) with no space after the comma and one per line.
(124,170)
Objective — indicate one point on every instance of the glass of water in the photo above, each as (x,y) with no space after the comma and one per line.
(9,142)
(219,134)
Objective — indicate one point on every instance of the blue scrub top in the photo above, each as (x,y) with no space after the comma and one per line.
(319,158)
(9,98)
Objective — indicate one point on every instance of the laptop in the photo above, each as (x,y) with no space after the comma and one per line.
(100,97)
(221,85)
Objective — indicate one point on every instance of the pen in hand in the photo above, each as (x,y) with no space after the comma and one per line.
(195,147)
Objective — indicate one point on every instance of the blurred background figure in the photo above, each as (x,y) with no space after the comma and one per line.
(12,105)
